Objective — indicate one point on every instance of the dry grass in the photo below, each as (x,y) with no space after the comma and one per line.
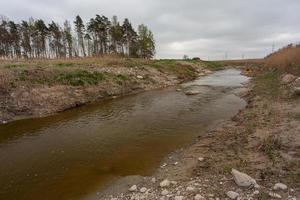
(286,59)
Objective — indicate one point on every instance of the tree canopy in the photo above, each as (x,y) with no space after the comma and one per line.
(99,36)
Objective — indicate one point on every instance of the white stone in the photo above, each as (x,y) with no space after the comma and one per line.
(164,192)
(232,195)
(139,77)
(178,198)
(256,192)
(198,197)
(153,180)
(280,186)
(133,188)
(200,159)
(192,92)
(242,179)
(165,183)
(143,190)
(274,195)
(190,189)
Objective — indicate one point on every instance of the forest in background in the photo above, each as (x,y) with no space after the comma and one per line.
(100,36)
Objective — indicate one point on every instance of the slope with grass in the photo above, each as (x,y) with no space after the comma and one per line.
(43,87)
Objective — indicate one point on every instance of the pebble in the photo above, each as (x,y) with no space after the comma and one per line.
(200,159)
(153,180)
(198,197)
(274,195)
(190,189)
(143,190)
(280,186)
(164,192)
(165,183)
(232,195)
(242,179)
(178,198)
(256,192)
(133,188)
(140,77)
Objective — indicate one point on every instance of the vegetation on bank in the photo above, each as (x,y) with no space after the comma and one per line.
(100,36)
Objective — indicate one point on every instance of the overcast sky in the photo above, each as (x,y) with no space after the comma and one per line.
(203,28)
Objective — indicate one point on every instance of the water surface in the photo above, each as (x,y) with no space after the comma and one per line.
(68,156)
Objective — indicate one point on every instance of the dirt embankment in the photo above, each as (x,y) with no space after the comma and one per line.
(39,88)
(262,141)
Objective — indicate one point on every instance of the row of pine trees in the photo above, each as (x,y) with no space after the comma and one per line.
(100,36)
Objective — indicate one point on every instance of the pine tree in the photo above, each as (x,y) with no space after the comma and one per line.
(80,29)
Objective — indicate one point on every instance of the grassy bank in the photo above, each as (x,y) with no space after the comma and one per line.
(42,87)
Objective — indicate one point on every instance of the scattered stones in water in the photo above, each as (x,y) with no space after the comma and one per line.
(280,186)
(232,195)
(165,183)
(274,195)
(192,92)
(133,188)
(242,179)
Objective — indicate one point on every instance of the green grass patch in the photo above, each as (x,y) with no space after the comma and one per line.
(267,84)
(80,77)
(213,65)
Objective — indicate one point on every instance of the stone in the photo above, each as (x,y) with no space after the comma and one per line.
(192,92)
(139,77)
(133,188)
(242,179)
(280,186)
(274,195)
(153,180)
(178,198)
(143,190)
(256,192)
(165,183)
(232,195)
(164,192)
(288,78)
(190,189)
(198,197)
(200,159)
(296,90)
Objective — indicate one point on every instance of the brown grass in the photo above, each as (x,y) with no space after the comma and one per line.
(286,59)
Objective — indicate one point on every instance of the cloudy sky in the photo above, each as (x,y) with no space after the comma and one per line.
(209,29)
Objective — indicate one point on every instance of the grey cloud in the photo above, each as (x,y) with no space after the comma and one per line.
(204,28)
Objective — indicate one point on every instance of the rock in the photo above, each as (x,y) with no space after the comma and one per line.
(256,192)
(190,189)
(174,182)
(242,179)
(178,198)
(232,195)
(133,188)
(165,183)
(192,92)
(200,159)
(296,90)
(288,78)
(297,82)
(178,90)
(198,197)
(143,190)
(274,195)
(280,186)
(140,77)
(153,180)
(164,192)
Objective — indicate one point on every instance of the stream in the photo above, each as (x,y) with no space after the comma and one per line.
(72,154)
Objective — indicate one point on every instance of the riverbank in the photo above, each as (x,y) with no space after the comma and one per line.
(263,141)
(32,89)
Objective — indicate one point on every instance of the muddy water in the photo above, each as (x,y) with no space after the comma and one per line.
(69,155)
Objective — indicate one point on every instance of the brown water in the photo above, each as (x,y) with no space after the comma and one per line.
(69,155)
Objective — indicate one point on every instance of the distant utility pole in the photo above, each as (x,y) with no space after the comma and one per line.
(226,55)
(273,48)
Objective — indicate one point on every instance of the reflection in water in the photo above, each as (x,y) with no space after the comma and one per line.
(68,155)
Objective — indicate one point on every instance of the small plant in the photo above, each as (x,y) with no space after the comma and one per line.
(80,77)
